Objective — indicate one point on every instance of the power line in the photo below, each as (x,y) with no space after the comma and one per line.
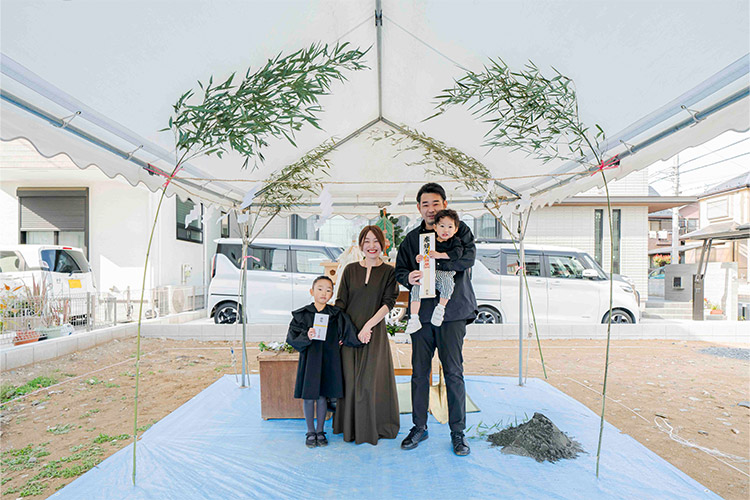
(660,172)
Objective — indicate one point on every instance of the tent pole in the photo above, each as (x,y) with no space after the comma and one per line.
(241,310)
(379,31)
(521,272)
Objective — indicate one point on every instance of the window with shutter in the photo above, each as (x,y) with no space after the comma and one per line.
(54,216)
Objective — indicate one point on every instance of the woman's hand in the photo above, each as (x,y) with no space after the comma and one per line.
(365,335)
(420,258)
(311,333)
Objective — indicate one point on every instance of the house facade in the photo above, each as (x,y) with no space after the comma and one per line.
(111,221)
(52,201)
(728,201)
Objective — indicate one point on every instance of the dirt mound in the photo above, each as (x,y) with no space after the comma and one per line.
(538,438)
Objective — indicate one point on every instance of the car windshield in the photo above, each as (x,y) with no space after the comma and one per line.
(10,262)
(657,273)
(65,261)
(592,264)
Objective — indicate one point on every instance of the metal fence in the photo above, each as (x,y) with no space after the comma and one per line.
(25,318)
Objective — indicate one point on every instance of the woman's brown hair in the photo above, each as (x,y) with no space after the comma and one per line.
(378,236)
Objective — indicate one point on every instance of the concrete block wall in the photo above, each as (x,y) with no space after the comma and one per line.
(27,354)
(709,331)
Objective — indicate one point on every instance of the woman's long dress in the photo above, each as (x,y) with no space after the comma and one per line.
(369,409)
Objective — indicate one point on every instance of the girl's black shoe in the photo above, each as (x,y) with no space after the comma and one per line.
(321,439)
(311,440)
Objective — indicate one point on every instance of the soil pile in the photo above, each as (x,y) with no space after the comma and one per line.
(538,438)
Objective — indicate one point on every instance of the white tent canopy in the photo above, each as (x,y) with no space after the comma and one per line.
(112,71)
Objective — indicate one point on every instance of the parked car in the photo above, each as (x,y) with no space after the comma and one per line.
(64,270)
(50,272)
(279,276)
(566,286)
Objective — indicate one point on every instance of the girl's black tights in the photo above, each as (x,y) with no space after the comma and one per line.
(310,413)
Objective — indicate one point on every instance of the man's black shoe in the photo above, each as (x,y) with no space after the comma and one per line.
(416,436)
(460,446)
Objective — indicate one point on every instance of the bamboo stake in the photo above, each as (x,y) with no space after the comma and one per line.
(609,320)
(140,314)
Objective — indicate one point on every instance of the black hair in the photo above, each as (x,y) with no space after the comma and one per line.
(431,187)
(319,278)
(447,214)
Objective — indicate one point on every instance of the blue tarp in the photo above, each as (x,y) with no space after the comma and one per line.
(216,446)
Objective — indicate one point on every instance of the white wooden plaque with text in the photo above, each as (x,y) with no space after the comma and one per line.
(427,266)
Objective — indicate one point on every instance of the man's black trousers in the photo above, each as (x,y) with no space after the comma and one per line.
(449,340)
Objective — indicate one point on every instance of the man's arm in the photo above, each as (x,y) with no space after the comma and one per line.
(469,254)
(405,262)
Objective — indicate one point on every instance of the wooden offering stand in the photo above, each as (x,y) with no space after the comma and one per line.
(278,373)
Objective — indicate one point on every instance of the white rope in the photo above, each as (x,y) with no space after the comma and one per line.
(710,451)
(713,452)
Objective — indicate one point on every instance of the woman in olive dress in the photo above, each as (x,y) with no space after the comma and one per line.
(367,292)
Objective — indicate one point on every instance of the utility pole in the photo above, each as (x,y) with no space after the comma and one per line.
(675,254)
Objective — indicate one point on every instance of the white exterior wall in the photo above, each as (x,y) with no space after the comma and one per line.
(635,184)
(737,207)
(574,227)
(120,218)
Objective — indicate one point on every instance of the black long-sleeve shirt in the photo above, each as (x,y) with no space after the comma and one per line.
(463,303)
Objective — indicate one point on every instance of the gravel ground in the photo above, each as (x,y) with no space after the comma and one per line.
(728,352)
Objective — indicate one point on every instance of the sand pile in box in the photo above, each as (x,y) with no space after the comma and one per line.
(538,438)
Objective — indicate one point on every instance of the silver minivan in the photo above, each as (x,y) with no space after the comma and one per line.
(566,286)
(280,273)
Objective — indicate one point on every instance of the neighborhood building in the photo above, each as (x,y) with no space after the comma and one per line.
(52,201)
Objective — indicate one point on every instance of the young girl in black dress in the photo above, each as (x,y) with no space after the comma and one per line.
(319,374)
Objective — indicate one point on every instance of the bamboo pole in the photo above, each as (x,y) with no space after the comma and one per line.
(609,320)
(522,273)
(140,314)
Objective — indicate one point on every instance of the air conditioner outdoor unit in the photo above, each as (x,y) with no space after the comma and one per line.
(174,299)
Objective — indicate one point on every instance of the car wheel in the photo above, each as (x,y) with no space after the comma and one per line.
(488,315)
(226,314)
(396,314)
(618,316)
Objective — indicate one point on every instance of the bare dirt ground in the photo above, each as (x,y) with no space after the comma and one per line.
(52,436)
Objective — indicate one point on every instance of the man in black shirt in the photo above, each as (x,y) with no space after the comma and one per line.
(447,338)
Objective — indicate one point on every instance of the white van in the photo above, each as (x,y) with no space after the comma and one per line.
(64,270)
(279,277)
(57,273)
(566,286)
